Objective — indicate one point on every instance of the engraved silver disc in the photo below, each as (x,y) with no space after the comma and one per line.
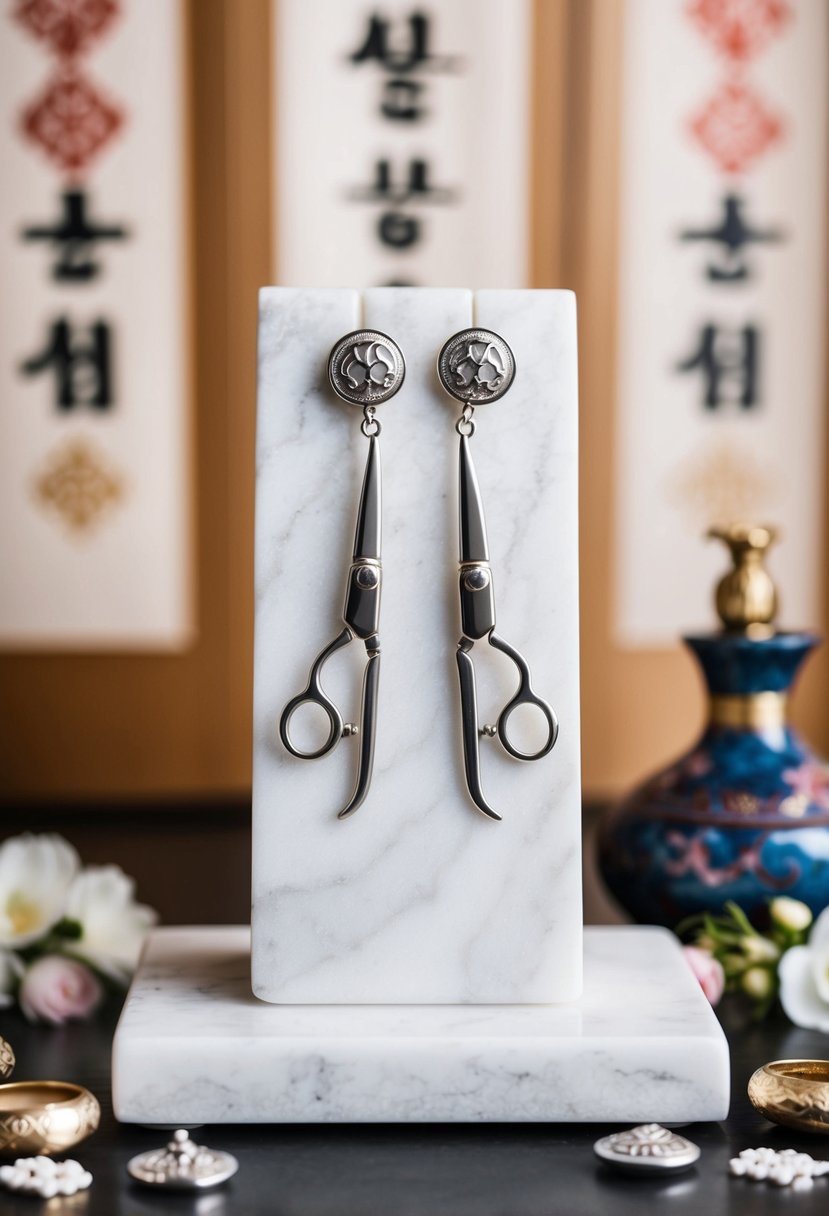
(182,1165)
(476,366)
(649,1148)
(366,368)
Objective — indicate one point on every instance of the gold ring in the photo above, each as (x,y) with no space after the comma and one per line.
(6,1058)
(793,1092)
(45,1116)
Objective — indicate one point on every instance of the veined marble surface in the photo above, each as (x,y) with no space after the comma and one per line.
(417,897)
(194,1046)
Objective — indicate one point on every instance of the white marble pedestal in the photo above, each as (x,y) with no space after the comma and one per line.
(417,897)
(194,1046)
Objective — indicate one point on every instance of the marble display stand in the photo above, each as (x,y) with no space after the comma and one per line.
(417,898)
(194,1046)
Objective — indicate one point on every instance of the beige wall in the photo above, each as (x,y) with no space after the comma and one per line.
(137,726)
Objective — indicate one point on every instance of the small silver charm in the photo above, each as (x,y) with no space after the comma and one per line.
(366,368)
(182,1165)
(476,366)
(649,1148)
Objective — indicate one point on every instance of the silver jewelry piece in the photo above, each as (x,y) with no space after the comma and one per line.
(474,366)
(182,1165)
(365,368)
(649,1148)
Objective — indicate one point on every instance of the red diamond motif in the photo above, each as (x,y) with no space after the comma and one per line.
(67,25)
(735,127)
(740,28)
(71,121)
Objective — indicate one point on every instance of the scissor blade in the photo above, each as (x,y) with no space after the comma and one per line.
(469,726)
(368,724)
(473,544)
(367,532)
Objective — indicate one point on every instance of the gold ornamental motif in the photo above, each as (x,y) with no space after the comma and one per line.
(6,1058)
(794,1093)
(78,485)
(722,482)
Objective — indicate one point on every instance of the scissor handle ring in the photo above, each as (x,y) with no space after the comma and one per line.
(524,696)
(528,697)
(311,696)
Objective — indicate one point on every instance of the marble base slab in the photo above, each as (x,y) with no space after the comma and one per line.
(194,1046)
(417,896)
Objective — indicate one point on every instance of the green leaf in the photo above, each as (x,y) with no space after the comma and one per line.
(70,930)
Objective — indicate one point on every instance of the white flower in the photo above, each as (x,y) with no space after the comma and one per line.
(804,979)
(759,949)
(113,925)
(790,913)
(35,875)
(757,983)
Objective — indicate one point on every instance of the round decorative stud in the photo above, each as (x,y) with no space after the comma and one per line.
(366,577)
(649,1148)
(476,366)
(182,1165)
(366,368)
(477,579)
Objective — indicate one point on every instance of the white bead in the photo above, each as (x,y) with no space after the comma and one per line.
(788,1152)
(748,1154)
(803,1183)
(760,1172)
(737,1167)
(781,1177)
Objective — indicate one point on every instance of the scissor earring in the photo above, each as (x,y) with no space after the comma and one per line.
(477,366)
(365,368)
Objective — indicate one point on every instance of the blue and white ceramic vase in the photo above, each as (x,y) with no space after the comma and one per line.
(743,815)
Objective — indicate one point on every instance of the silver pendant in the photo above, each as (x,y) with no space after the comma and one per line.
(182,1165)
(649,1148)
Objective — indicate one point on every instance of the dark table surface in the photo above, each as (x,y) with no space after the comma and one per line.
(201,874)
(479,1170)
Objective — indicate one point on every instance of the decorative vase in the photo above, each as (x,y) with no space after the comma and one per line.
(743,815)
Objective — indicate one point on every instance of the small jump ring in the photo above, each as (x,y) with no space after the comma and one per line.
(370,427)
(465,426)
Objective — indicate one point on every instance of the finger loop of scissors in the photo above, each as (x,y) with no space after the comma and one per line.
(524,696)
(313,694)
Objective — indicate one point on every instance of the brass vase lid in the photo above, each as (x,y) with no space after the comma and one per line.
(746,597)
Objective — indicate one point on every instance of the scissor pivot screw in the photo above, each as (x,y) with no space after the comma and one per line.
(489,731)
(366,577)
(350,729)
(477,580)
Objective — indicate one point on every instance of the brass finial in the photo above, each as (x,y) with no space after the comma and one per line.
(746,597)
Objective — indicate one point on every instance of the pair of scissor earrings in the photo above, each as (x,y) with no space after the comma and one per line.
(366,368)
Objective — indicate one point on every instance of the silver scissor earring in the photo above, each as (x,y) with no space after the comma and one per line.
(365,368)
(477,366)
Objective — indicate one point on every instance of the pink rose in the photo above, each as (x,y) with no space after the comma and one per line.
(707,970)
(55,989)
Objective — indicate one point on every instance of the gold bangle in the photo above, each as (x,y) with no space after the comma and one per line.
(45,1116)
(6,1058)
(793,1092)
